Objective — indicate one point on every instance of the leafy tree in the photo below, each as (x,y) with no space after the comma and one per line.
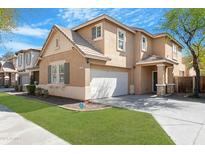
(7,19)
(7,55)
(189,26)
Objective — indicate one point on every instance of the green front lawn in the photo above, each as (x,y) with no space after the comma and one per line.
(109,126)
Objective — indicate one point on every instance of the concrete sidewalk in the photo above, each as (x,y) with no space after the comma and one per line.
(16,130)
(6,89)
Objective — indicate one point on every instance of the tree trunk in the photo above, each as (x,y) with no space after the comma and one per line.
(197,78)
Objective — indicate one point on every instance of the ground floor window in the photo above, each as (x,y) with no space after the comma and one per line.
(57,73)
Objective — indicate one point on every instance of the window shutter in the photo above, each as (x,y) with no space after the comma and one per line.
(93,32)
(67,73)
(49,74)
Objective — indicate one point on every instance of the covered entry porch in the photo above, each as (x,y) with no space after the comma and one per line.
(154,76)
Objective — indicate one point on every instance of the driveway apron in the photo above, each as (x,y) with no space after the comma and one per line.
(182,119)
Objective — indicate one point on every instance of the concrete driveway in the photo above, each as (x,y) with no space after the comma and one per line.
(182,118)
(14,129)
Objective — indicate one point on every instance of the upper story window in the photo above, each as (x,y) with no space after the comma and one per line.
(174,48)
(97,32)
(144,43)
(28,58)
(174,51)
(121,40)
(20,58)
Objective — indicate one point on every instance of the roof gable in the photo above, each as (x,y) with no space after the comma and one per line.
(131,29)
(101,18)
(78,43)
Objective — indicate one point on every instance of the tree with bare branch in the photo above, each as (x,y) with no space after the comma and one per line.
(189,26)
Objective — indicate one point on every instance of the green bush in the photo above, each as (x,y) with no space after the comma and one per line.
(31,89)
(41,92)
(45,93)
(38,91)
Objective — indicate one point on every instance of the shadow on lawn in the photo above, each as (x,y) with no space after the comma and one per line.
(20,104)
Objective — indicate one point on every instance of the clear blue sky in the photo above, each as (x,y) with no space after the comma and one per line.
(34,24)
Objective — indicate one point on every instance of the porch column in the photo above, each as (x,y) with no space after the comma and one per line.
(9,79)
(161,78)
(170,84)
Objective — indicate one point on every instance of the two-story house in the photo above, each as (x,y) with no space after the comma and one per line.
(103,58)
(26,66)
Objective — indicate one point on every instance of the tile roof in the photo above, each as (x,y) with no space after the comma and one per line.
(7,66)
(155,58)
(85,47)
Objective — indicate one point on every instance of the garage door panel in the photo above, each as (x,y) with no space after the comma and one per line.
(108,83)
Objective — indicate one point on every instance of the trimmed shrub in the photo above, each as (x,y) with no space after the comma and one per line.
(38,91)
(45,93)
(31,89)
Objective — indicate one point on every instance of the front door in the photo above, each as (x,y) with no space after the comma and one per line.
(154,81)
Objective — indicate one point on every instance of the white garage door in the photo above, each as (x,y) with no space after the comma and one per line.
(108,83)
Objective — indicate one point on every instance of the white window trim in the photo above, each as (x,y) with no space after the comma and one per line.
(174,47)
(144,49)
(101,27)
(58,63)
(28,55)
(124,43)
(174,52)
(20,59)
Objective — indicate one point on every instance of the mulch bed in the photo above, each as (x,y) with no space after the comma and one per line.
(66,103)
(50,99)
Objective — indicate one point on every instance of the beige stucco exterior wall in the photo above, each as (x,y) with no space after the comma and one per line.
(64,44)
(108,43)
(86,33)
(147,78)
(144,54)
(77,65)
(143,79)
(168,50)
(79,69)
(158,46)
(177,57)
(191,72)
(118,58)
(139,53)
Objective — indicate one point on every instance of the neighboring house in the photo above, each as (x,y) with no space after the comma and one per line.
(103,58)
(7,72)
(26,66)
